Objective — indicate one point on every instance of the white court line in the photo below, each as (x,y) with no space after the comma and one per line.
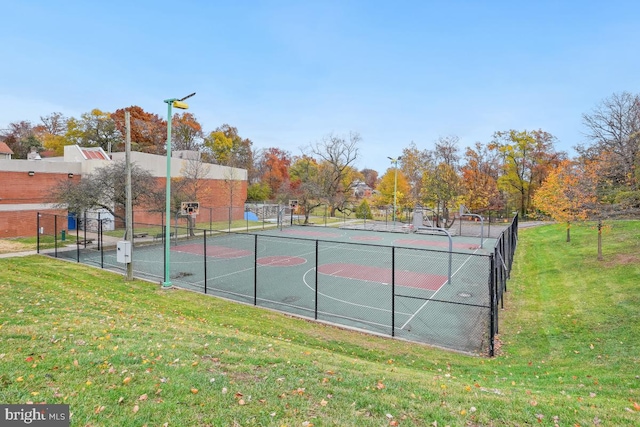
(384,310)
(434,294)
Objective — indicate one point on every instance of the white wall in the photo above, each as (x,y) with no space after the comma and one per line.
(41,166)
(157,166)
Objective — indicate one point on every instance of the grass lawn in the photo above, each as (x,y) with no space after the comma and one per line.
(131,354)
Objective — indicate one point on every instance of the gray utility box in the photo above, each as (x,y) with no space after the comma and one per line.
(124,252)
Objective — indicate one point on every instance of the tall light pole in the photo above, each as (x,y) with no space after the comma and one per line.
(178,103)
(395,185)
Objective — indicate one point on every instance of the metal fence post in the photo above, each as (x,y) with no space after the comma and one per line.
(316,280)
(205,259)
(492,309)
(77,237)
(38,232)
(55,235)
(255,269)
(393,291)
(100,245)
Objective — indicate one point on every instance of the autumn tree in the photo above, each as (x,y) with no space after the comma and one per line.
(148,130)
(387,186)
(224,146)
(414,162)
(20,137)
(94,129)
(479,180)
(186,133)
(527,157)
(568,194)
(441,185)
(273,166)
(51,131)
(306,184)
(258,192)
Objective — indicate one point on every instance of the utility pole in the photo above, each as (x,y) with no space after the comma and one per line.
(129,206)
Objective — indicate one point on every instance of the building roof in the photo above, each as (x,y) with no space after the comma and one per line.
(94,153)
(4,148)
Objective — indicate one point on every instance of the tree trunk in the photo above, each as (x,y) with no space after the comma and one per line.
(600,240)
(568,231)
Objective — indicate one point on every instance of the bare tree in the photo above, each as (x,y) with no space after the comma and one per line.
(614,127)
(190,187)
(105,188)
(337,156)
(54,123)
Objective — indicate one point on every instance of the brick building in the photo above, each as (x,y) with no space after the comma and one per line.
(25,184)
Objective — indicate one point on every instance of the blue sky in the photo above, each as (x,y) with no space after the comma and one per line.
(288,73)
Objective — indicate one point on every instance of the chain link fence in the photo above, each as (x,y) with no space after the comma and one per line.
(444,298)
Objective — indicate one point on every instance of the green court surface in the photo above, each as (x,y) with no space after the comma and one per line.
(405,285)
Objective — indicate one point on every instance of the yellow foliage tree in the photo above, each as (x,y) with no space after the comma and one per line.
(388,184)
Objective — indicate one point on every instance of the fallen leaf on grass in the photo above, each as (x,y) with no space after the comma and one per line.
(135,409)
(194,390)
(127,380)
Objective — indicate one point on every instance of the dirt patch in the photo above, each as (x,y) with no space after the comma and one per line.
(623,259)
(9,246)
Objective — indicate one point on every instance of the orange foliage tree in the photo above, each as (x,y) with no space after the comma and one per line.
(274,167)
(479,179)
(148,130)
(568,194)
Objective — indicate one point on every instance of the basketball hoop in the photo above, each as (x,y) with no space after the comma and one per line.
(189,209)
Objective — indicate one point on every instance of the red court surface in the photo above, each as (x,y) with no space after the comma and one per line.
(383,275)
(281,261)
(436,243)
(213,251)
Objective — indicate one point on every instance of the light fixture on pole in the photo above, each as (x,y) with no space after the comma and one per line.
(178,103)
(395,185)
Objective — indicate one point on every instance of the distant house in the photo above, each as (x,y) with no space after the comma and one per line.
(5,151)
(361,190)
